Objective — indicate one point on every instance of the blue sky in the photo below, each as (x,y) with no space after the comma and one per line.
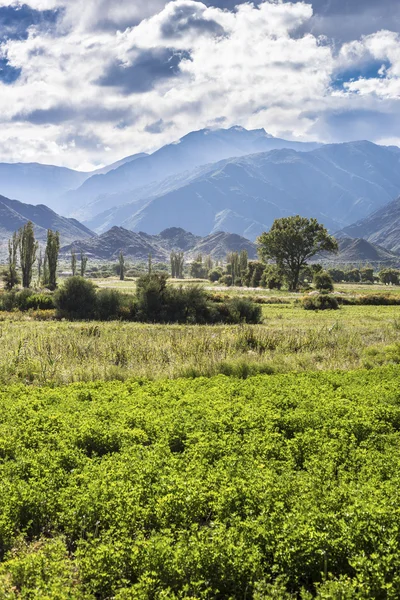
(83,84)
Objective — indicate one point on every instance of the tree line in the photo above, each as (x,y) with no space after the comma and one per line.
(24,253)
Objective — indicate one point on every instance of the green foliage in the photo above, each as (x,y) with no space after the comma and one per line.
(84,262)
(272,278)
(74,265)
(320,302)
(28,248)
(338,275)
(197,269)
(51,258)
(26,300)
(323,281)
(266,487)
(291,242)
(367,275)
(108,304)
(254,273)
(76,299)
(10,275)
(177,264)
(226,280)
(390,276)
(121,266)
(354,276)
(215,275)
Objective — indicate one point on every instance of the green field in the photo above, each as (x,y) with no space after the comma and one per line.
(210,488)
(290,339)
(212,462)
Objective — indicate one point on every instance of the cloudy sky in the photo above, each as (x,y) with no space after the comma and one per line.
(84,83)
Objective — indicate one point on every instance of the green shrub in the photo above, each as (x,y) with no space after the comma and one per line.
(25,300)
(238,310)
(76,299)
(214,275)
(40,302)
(226,280)
(108,304)
(321,302)
(323,282)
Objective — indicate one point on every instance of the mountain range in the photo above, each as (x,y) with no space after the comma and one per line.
(211,181)
(14,214)
(381,227)
(338,184)
(138,246)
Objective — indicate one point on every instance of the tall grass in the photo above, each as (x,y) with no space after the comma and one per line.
(291,339)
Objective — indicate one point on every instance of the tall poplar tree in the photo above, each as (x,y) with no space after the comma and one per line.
(28,247)
(52,251)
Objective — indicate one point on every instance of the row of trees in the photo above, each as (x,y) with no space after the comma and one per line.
(24,253)
(23,246)
(387,276)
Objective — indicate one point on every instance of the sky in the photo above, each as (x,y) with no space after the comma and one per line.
(85,83)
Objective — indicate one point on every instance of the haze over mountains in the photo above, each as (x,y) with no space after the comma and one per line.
(14,214)
(225,180)
(381,227)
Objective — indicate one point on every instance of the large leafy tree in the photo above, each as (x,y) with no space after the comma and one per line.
(291,242)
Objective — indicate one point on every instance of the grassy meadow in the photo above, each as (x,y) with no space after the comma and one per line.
(37,351)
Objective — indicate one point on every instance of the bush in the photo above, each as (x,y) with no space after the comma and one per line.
(40,302)
(26,300)
(390,276)
(321,302)
(226,280)
(214,275)
(323,281)
(76,299)
(108,304)
(240,310)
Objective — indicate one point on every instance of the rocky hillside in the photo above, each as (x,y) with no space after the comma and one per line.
(14,214)
(382,227)
(138,246)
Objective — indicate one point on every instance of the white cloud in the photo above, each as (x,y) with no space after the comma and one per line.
(246,67)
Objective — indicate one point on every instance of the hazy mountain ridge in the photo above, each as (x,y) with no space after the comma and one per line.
(337,184)
(138,246)
(381,227)
(14,214)
(193,150)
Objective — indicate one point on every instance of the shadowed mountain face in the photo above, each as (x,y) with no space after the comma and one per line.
(337,184)
(382,227)
(195,149)
(139,245)
(360,251)
(14,214)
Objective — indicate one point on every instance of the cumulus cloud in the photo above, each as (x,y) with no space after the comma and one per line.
(131,76)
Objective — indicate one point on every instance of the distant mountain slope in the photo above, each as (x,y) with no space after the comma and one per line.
(35,183)
(381,227)
(358,250)
(337,184)
(139,245)
(119,163)
(14,214)
(195,149)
